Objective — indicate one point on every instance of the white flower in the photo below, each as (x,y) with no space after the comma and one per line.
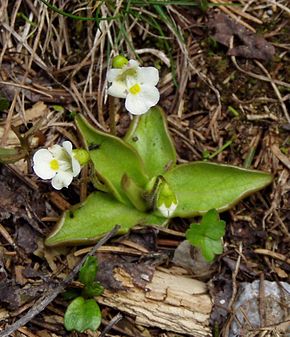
(56,163)
(137,85)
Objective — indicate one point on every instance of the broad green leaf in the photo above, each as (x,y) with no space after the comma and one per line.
(82,314)
(202,186)
(149,135)
(207,235)
(112,159)
(88,271)
(97,215)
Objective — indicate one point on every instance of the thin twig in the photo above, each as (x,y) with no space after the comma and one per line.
(112,322)
(43,302)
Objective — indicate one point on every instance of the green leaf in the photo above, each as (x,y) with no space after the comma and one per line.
(202,186)
(207,235)
(97,215)
(11,155)
(88,271)
(93,289)
(70,294)
(112,159)
(82,314)
(149,135)
(134,193)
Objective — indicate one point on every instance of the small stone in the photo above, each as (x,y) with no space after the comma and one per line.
(246,309)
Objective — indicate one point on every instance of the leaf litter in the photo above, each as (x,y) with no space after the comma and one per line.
(67,67)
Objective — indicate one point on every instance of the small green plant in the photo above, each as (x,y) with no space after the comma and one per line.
(83,312)
(137,178)
(207,235)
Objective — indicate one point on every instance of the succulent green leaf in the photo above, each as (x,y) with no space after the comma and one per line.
(149,135)
(87,222)
(202,186)
(82,314)
(207,235)
(112,159)
(88,271)
(134,193)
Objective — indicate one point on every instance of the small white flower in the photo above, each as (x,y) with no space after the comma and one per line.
(56,163)
(167,211)
(137,85)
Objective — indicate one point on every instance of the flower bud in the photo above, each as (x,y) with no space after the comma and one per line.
(82,156)
(166,201)
(119,61)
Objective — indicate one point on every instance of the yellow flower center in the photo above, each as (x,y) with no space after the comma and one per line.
(54,165)
(135,89)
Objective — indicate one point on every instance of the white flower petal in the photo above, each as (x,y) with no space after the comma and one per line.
(167,211)
(57,151)
(41,164)
(118,89)
(150,95)
(67,145)
(142,102)
(76,167)
(132,64)
(65,165)
(148,75)
(135,104)
(113,74)
(61,179)
(42,155)
(131,81)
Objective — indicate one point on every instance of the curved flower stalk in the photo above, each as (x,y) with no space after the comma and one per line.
(58,164)
(136,84)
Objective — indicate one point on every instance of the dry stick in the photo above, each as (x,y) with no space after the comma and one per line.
(112,322)
(43,302)
(276,90)
(235,288)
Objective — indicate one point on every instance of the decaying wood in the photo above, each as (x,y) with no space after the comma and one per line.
(171,301)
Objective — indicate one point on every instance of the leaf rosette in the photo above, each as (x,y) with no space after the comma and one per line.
(124,168)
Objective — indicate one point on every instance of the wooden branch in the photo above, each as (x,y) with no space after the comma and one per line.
(171,301)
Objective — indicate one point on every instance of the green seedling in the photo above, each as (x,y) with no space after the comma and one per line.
(207,235)
(83,312)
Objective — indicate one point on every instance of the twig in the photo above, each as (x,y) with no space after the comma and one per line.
(262,300)
(112,322)
(235,288)
(43,302)
(276,90)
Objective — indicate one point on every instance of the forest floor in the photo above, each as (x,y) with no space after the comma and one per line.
(224,84)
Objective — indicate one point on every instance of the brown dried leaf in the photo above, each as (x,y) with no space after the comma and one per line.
(254,46)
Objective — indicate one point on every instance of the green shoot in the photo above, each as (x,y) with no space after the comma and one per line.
(208,234)
(83,312)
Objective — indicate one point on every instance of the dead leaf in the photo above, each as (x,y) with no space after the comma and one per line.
(39,109)
(254,46)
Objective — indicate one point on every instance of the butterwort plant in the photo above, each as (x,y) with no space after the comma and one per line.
(137,178)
